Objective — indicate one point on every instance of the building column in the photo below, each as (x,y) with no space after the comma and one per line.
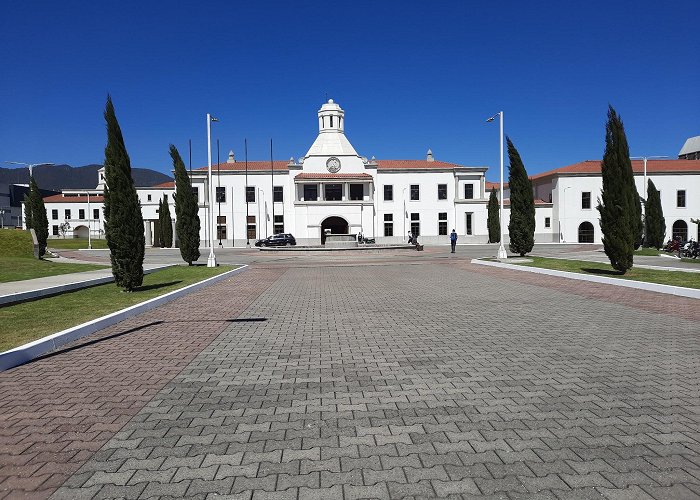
(147,229)
(175,242)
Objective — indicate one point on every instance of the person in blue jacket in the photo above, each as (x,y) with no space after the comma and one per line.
(453,240)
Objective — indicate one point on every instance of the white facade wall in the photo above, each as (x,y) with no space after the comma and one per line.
(567,197)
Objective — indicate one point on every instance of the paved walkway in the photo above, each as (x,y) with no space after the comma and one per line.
(424,378)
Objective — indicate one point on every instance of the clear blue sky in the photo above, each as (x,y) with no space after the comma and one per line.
(410,75)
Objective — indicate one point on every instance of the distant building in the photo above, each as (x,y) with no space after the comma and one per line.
(691,149)
(332,189)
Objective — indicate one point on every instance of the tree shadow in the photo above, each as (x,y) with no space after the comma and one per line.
(604,272)
(156,286)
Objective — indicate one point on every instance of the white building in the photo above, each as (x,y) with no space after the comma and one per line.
(82,210)
(333,188)
(566,199)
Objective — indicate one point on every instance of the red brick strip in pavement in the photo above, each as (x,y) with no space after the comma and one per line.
(56,412)
(683,307)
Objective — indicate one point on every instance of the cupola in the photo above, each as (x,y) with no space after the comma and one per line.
(331,118)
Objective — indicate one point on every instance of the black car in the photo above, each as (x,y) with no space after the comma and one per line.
(277,240)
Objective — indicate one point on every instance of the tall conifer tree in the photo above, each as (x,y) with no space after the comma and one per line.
(186,216)
(521,227)
(157,238)
(619,220)
(493,220)
(38,218)
(654,221)
(124,228)
(166,224)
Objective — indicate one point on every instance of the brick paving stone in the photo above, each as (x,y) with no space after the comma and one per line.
(332,395)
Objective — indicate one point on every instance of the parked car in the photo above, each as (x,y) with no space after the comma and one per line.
(277,240)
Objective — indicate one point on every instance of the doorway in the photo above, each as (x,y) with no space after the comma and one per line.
(337,225)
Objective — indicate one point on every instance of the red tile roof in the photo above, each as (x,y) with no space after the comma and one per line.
(382,165)
(169,184)
(59,198)
(322,175)
(506,202)
(653,167)
(415,164)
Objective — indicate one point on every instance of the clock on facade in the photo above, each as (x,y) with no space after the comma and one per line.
(333,164)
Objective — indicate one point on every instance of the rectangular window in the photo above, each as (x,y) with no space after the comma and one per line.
(251,227)
(388,192)
(250,194)
(54,214)
(67,214)
(469,223)
(356,191)
(278,194)
(149,197)
(547,222)
(442,223)
(415,228)
(310,192)
(96,213)
(442,191)
(195,192)
(415,192)
(469,191)
(333,192)
(221,219)
(388,224)
(586,200)
(415,216)
(680,198)
(279,224)
(54,230)
(81,213)
(221,194)
(221,232)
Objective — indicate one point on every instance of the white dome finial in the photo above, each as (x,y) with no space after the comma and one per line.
(330,101)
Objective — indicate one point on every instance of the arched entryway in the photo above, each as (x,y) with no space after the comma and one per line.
(586,232)
(680,229)
(337,225)
(80,232)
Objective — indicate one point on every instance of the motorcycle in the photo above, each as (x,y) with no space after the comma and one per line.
(691,250)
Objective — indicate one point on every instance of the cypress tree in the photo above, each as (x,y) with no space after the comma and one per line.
(124,228)
(186,216)
(493,220)
(654,219)
(37,215)
(521,227)
(166,224)
(28,212)
(617,202)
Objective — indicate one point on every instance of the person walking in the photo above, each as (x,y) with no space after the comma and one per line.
(453,240)
(410,237)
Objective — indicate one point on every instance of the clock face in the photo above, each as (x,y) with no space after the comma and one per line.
(333,164)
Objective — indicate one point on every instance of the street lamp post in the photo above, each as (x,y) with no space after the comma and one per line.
(211,260)
(501,249)
(29,165)
(2,218)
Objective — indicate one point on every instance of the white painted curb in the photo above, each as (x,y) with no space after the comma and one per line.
(27,352)
(13,298)
(639,285)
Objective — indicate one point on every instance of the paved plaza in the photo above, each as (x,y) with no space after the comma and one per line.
(378,376)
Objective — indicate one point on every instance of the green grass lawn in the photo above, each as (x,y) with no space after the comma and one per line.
(22,268)
(15,243)
(74,243)
(677,278)
(22,323)
(649,252)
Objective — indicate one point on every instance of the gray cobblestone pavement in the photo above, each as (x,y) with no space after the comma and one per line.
(419,380)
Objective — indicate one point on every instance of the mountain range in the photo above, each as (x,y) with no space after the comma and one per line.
(58,177)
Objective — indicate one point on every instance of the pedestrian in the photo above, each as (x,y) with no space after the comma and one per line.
(410,237)
(453,240)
